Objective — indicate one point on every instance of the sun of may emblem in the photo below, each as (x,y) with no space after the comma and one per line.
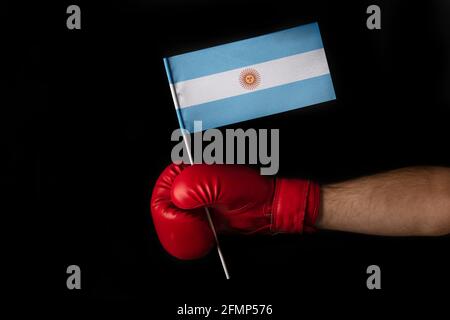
(249,78)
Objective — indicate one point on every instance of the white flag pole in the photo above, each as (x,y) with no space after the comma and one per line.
(208,215)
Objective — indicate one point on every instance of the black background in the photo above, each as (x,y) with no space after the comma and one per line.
(87,118)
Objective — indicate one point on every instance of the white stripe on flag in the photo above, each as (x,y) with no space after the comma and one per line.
(272,73)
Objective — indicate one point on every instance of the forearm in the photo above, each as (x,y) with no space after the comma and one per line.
(403,202)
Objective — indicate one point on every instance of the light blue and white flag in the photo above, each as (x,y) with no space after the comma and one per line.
(250,78)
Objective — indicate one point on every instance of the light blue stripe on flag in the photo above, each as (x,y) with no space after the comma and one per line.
(250,78)
(245,52)
(261,103)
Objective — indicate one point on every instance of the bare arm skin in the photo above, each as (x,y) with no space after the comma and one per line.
(411,201)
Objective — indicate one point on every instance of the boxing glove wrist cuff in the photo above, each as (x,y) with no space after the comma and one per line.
(295,206)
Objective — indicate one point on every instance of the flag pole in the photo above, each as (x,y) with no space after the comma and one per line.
(183,132)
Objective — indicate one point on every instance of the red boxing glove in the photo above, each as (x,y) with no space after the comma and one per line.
(242,201)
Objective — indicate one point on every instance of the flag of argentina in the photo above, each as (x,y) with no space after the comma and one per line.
(250,78)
